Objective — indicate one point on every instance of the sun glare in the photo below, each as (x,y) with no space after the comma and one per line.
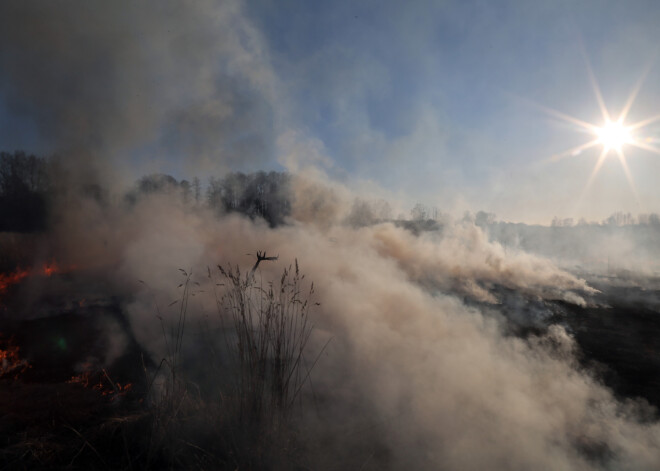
(613,135)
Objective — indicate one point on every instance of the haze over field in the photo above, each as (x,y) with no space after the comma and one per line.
(469,186)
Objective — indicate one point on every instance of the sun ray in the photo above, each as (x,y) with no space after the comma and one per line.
(613,135)
(643,145)
(644,122)
(588,126)
(638,87)
(575,150)
(594,85)
(592,128)
(633,95)
(596,169)
(594,172)
(629,177)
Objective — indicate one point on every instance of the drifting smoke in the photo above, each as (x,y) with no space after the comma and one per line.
(601,248)
(462,260)
(438,383)
(414,378)
(187,80)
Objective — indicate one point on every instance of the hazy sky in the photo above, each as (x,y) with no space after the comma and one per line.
(434,101)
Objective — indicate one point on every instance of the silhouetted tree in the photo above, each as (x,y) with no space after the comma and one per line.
(159,183)
(260,194)
(482,219)
(419,212)
(382,210)
(197,190)
(361,214)
(185,189)
(23,192)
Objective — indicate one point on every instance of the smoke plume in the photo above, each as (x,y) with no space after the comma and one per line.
(437,384)
(186,81)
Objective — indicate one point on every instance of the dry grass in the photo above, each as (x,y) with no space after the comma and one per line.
(272,328)
(247,420)
(243,417)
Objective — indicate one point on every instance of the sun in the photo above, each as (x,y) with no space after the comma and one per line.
(613,135)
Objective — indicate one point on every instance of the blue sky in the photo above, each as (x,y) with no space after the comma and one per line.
(436,97)
(431,101)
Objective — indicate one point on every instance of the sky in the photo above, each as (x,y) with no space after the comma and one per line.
(439,102)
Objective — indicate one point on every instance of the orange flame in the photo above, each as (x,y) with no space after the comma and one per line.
(6,280)
(47,269)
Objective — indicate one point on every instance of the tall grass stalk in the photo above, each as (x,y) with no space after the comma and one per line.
(271,329)
(167,397)
(247,413)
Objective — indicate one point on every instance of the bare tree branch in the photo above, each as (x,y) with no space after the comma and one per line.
(261,256)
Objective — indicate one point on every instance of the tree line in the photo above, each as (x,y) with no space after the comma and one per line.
(24,192)
(265,195)
(28,192)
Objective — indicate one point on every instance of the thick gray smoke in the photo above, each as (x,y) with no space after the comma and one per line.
(462,260)
(186,81)
(438,384)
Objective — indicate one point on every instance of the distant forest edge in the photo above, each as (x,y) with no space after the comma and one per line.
(24,192)
(30,186)
(257,195)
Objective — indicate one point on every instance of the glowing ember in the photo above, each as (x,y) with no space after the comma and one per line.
(11,363)
(7,280)
(48,269)
(101,382)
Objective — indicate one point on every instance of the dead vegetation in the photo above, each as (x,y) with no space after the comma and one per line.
(243,417)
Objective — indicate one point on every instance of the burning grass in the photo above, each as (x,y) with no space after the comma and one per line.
(11,363)
(100,381)
(19,274)
(238,411)
(9,279)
